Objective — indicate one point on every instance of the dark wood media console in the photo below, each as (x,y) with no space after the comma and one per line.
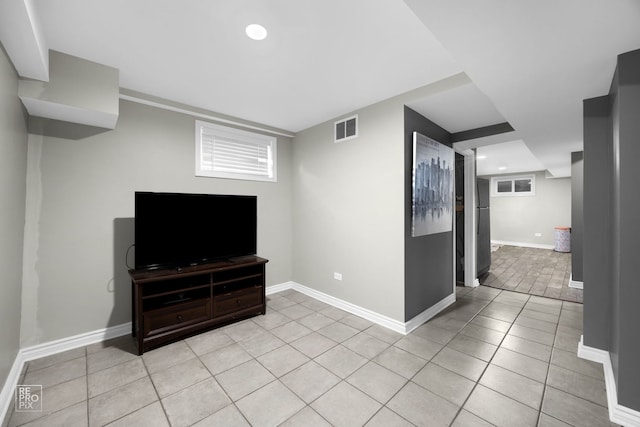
(169,304)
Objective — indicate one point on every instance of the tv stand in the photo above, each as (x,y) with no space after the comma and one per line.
(170,304)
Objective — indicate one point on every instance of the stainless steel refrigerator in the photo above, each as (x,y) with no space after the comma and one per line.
(483,238)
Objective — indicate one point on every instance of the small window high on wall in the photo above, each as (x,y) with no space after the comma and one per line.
(520,185)
(225,152)
(346,129)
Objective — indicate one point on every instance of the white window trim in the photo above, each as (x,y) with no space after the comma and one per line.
(346,138)
(242,136)
(512,178)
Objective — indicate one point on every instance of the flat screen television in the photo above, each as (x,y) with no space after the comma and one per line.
(178,229)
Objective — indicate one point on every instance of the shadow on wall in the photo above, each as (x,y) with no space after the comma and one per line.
(61,129)
(120,286)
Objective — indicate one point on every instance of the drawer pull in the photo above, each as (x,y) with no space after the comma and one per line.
(179,317)
(233,302)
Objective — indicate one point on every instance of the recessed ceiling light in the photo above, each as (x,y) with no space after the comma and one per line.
(501,168)
(256,32)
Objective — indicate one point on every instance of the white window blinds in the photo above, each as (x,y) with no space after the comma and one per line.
(232,153)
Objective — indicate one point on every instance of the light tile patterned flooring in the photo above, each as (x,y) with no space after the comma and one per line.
(494,358)
(542,272)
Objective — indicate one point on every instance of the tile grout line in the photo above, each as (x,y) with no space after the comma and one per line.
(570,370)
(344,380)
(551,260)
(164,410)
(278,378)
(489,362)
(430,361)
(233,402)
(86,367)
(25,371)
(212,377)
(286,373)
(546,378)
(485,304)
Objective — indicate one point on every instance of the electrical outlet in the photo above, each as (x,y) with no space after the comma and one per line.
(538,234)
(337,276)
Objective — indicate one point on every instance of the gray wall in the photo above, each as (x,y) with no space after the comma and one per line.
(577,221)
(13,171)
(626,316)
(610,265)
(336,208)
(598,173)
(80,216)
(78,91)
(428,259)
(352,215)
(518,219)
(348,210)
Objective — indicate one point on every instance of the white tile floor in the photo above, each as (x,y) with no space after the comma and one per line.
(494,358)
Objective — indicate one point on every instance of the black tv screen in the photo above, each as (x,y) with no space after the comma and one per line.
(177,229)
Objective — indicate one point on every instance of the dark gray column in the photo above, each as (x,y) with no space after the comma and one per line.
(597,219)
(576,214)
(612,228)
(428,259)
(626,168)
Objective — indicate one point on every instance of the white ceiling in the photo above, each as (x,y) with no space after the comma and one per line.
(458,109)
(531,63)
(537,60)
(506,158)
(321,59)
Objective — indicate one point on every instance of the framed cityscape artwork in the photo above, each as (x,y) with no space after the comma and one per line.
(433,185)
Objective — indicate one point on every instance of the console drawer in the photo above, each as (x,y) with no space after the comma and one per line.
(162,320)
(237,300)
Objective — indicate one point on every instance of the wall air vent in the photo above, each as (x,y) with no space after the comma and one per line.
(346,129)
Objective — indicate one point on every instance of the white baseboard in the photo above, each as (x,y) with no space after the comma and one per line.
(617,413)
(389,323)
(372,316)
(47,349)
(58,346)
(522,244)
(7,393)
(279,288)
(429,313)
(575,283)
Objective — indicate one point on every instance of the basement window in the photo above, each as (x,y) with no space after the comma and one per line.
(225,152)
(346,129)
(520,185)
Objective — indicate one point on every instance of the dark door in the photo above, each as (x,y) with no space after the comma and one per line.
(483,238)
(483,192)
